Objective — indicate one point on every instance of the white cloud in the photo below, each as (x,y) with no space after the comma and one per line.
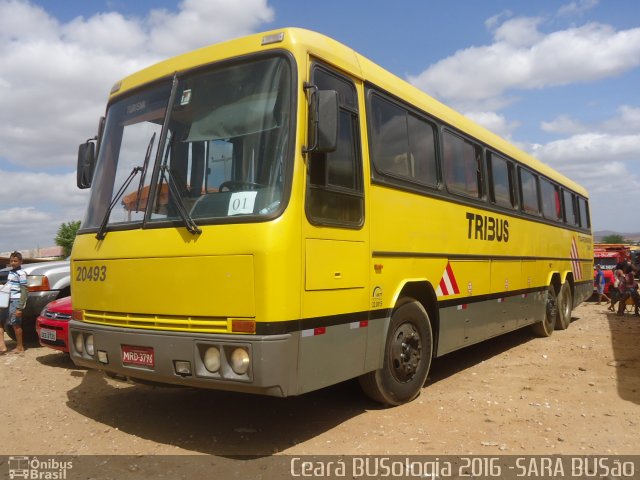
(577,8)
(594,151)
(563,125)
(17,226)
(202,22)
(519,32)
(627,121)
(521,57)
(54,82)
(603,164)
(494,122)
(482,80)
(590,148)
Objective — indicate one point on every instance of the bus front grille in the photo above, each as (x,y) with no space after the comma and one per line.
(158,322)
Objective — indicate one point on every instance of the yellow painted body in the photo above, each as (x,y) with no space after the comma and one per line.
(289,270)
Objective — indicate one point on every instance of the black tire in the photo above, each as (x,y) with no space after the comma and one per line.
(546,327)
(565,304)
(407,357)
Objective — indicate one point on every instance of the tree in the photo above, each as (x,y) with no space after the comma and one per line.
(613,238)
(66,235)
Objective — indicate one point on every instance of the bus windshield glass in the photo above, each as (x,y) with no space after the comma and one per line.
(223,151)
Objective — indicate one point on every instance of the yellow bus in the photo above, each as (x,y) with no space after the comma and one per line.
(276,214)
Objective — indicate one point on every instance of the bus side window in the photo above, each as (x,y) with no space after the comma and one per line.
(402,143)
(550,200)
(569,208)
(335,189)
(462,165)
(501,185)
(584,213)
(529,192)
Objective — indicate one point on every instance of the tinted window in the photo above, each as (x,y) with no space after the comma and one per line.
(550,200)
(569,208)
(461,160)
(501,180)
(335,179)
(402,144)
(584,213)
(529,191)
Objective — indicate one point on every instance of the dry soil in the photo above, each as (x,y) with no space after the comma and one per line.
(577,392)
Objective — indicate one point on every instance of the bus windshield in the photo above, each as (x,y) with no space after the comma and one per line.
(223,152)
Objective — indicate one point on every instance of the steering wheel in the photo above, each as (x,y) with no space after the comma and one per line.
(235,185)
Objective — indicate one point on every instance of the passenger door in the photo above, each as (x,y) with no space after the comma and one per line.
(335,295)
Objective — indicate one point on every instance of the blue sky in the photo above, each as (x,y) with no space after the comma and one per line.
(559,79)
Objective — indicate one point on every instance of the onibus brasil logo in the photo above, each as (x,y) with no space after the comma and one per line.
(38,469)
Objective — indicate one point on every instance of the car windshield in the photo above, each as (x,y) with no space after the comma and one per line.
(223,153)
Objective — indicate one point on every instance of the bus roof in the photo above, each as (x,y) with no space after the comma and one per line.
(300,42)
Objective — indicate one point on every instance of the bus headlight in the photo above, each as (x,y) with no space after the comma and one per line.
(79,342)
(88,345)
(240,361)
(212,359)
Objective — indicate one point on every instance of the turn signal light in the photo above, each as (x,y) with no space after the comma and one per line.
(38,283)
(243,326)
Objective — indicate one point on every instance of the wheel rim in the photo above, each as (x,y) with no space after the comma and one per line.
(405,352)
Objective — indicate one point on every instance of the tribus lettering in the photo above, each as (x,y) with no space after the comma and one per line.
(481,227)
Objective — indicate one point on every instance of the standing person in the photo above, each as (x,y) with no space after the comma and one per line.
(614,289)
(628,288)
(600,282)
(12,315)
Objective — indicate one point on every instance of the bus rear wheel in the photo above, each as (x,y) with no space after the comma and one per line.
(407,357)
(565,302)
(545,327)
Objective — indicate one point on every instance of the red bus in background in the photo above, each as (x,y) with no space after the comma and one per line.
(608,255)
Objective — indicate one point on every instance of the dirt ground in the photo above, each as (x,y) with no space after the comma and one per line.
(577,392)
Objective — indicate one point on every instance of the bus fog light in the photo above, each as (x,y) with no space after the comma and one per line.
(88,345)
(79,343)
(212,359)
(182,367)
(240,361)
(103,357)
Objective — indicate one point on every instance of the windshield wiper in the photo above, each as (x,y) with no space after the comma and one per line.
(189,223)
(102,231)
(174,192)
(144,171)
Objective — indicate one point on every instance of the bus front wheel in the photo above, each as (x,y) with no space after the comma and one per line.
(407,357)
(545,327)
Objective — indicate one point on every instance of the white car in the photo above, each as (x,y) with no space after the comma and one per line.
(46,281)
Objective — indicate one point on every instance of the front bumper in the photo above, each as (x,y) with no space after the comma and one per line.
(272,370)
(61,329)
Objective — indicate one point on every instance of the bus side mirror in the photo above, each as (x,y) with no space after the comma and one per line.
(86,163)
(324,114)
(327,133)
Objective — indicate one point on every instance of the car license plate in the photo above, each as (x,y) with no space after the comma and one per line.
(138,356)
(47,334)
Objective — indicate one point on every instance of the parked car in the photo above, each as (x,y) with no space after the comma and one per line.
(46,281)
(52,324)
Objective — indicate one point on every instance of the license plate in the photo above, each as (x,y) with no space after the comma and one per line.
(138,356)
(46,334)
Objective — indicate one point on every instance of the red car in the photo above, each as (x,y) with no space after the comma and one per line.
(52,324)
